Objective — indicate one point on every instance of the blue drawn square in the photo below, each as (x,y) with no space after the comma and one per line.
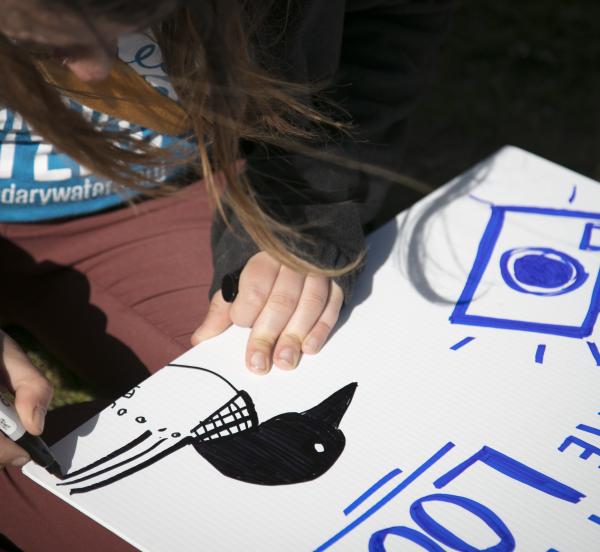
(460,314)
(588,237)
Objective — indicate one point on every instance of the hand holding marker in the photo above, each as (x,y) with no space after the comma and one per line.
(11,426)
(22,425)
(230,285)
(290,313)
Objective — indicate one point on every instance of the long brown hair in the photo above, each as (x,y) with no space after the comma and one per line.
(209,51)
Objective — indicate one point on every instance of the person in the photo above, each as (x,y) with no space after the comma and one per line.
(132,134)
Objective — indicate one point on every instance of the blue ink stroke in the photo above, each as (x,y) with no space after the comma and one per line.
(539,354)
(594,350)
(515,470)
(376,542)
(382,502)
(371,490)
(573,193)
(589,429)
(595,518)
(586,239)
(541,271)
(440,533)
(485,251)
(462,343)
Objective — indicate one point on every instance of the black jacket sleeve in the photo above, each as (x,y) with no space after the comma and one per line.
(375,53)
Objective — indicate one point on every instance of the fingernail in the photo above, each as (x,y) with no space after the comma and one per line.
(258,361)
(312,345)
(286,357)
(19,462)
(39,416)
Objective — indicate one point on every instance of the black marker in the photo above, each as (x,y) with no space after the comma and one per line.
(11,426)
(229,285)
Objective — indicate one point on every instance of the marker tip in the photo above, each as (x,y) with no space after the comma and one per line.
(55,470)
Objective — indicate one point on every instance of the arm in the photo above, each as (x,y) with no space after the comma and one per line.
(375,53)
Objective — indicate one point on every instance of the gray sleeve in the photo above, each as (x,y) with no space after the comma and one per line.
(375,54)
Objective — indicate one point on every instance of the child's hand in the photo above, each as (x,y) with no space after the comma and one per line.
(32,392)
(289,313)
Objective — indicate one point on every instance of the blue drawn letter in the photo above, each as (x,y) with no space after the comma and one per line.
(439,532)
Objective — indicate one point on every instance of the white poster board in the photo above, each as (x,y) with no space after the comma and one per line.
(474,426)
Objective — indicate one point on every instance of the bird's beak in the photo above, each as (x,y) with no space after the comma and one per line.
(332,410)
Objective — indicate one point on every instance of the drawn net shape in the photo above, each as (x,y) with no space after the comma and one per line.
(238,414)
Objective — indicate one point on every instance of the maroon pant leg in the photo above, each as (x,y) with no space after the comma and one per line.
(114,296)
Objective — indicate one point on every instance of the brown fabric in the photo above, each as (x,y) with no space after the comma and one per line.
(124,94)
(115,296)
(37,521)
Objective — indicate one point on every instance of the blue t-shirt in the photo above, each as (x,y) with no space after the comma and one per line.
(37,183)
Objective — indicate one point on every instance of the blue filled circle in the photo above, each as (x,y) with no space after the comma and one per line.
(541,271)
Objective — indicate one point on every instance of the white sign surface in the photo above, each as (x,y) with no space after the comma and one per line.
(474,424)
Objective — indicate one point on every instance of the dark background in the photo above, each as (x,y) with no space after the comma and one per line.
(525,73)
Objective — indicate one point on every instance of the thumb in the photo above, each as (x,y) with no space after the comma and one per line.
(217,319)
(31,402)
(33,391)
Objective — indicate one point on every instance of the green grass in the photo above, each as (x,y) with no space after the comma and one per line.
(67,388)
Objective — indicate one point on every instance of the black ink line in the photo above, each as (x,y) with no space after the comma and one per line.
(293,447)
(114,454)
(225,427)
(251,417)
(110,468)
(180,444)
(205,370)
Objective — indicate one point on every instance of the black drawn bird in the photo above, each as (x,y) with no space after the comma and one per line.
(289,448)
(293,447)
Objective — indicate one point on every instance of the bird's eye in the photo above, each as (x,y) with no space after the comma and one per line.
(319,447)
